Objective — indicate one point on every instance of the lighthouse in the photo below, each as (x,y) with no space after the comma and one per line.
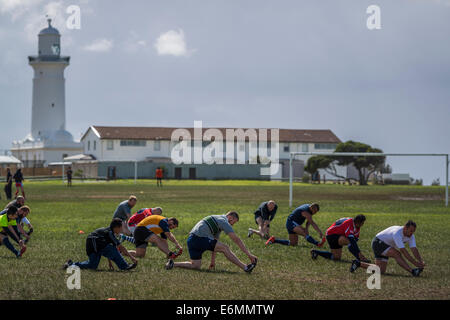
(48,140)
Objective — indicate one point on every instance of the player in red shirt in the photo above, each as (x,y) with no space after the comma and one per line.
(343,232)
(138,217)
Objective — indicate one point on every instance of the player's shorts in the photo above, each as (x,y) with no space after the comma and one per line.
(290,225)
(380,248)
(198,245)
(333,241)
(142,236)
(19,184)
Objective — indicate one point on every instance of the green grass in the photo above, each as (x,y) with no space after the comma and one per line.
(58,213)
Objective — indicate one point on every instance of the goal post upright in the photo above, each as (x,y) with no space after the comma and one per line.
(365,154)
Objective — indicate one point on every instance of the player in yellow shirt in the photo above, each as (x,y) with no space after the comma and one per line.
(148,230)
(7,223)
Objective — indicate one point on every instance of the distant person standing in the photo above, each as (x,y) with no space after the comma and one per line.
(18,179)
(69,176)
(159,176)
(8,185)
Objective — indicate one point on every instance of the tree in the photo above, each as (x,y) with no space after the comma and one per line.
(364,165)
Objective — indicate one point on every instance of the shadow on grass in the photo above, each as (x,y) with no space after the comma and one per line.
(210,271)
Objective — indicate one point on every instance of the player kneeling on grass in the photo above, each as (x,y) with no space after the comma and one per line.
(294,226)
(22,214)
(148,230)
(7,223)
(343,232)
(390,243)
(103,242)
(263,216)
(205,235)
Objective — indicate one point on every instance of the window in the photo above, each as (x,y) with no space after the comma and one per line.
(110,145)
(89,145)
(157,145)
(286,148)
(325,146)
(95,145)
(133,143)
(305,147)
(241,147)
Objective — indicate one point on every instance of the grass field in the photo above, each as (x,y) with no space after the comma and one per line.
(58,213)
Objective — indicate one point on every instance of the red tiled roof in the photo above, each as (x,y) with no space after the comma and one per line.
(165,133)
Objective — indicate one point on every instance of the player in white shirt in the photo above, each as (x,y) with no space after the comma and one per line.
(390,243)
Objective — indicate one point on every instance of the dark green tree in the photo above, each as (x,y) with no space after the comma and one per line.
(364,165)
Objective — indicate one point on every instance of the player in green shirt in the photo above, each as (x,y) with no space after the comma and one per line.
(7,223)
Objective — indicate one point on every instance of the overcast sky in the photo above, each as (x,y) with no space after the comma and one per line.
(244,63)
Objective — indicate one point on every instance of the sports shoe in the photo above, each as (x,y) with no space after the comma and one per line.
(250,267)
(22,251)
(67,264)
(321,243)
(314,254)
(131,266)
(169,264)
(355,265)
(416,272)
(171,255)
(270,241)
(249,233)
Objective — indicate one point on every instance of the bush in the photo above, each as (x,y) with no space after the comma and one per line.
(306,178)
(436,182)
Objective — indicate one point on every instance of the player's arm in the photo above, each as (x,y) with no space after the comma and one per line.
(212,265)
(172,238)
(416,254)
(13,232)
(125,252)
(20,228)
(241,245)
(310,220)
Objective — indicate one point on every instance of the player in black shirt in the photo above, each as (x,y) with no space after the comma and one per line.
(18,179)
(263,216)
(103,242)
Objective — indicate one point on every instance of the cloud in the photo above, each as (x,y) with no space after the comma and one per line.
(172,43)
(99,45)
(17,8)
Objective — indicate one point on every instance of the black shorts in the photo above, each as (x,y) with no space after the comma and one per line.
(333,241)
(378,248)
(141,236)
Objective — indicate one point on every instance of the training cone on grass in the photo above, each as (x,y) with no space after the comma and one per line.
(112,299)
(81,232)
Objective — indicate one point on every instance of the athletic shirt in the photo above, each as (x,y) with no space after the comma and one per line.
(5,221)
(297,216)
(139,216)
(394,237)
(122,211)
(157,224)
(344,227)
(211,227)
(18,177)
(264,212)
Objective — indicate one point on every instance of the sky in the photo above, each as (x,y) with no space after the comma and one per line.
(244,63)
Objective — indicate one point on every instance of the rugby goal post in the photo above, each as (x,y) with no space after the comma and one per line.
(364,154)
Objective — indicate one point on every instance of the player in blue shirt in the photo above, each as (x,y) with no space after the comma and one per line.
(294,226)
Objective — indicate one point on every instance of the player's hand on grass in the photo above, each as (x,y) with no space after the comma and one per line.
(212,266)
(111,267)
(253,258)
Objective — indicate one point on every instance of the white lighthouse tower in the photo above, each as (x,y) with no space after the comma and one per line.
(48,141)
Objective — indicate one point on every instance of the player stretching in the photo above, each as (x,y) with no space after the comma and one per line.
(205,236)
(148,230)
(294,226)
(263,216)
(7,223)
(103,242)
(123,212)
(390,243)
(343,232)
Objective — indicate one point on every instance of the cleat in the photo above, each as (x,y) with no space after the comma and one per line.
(270,241)
(250,267)
(171,255)
(131,266)
(249,233)
(322,242)
(314,254)
(67,264)
(22,251)
(355,265)
(416,272)
(169,264)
